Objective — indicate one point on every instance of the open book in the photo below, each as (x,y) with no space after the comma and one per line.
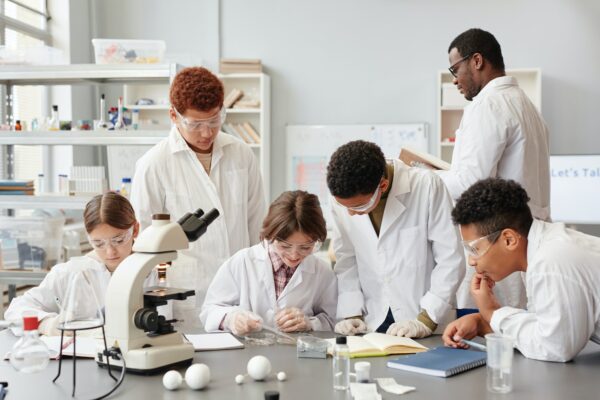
(379,344)
(415,158)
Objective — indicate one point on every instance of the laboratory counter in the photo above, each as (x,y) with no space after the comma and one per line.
(307,378)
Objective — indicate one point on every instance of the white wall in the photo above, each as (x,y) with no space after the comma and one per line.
(357,61)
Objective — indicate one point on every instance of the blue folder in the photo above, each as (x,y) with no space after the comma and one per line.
(441,361)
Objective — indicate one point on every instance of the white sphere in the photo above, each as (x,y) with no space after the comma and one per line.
(172,380)
(239,379)
(197,376)
(281,376)
(259,367)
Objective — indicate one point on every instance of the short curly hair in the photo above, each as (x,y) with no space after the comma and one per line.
(196,88)
(479,41)
(494,204)
(355,169)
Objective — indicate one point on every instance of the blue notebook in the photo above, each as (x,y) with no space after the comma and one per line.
(441,361)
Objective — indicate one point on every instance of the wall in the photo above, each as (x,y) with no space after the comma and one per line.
(356,61)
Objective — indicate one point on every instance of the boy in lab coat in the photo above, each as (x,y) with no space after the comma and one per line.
(398,257)
(198,166)
(278,283)
(562,280)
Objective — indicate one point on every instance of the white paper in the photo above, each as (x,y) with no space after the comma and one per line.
(391,386)
(214,341)
(364,391)
(86,347)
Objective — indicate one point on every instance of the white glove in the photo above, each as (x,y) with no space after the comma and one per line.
(351,327)
(240,322)
(411,329)
(292,320)
(49,327)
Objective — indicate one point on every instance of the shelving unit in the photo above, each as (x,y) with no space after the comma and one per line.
(76,74)
(450,104)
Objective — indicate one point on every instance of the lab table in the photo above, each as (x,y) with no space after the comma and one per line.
(308,378)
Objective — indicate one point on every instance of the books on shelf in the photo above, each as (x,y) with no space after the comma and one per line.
(16,187)
(415,158)
(244,131)
(231,98)
(247,103)
(441,361)
(233,65)
(379,344)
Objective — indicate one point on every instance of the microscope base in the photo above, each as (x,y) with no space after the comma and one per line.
(154,360)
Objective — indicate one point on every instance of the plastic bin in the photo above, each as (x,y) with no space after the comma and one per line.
(30,243)
(121,51)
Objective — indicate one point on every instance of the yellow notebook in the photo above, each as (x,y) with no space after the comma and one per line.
(379,344)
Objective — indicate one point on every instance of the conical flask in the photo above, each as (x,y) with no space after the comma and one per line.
(81,308)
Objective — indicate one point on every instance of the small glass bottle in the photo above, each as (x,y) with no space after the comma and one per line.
(35,125)
(18,126)
(40,185)
(54,123)
(135,119)
(63,184)
(120,122)
(125,187)
(341,364)
(102,124)
(30,354)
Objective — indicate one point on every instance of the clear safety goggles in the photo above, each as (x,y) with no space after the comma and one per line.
(213,122)
(365,207)
(117,241)
(472,246)
(304,249)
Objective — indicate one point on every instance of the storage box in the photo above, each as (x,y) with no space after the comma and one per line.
(31,243)
(122,51)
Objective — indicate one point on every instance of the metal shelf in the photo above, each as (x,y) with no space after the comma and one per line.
(47,201)
(85,138)
(243,110)
(86,73)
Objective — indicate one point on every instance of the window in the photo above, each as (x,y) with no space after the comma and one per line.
(23,24)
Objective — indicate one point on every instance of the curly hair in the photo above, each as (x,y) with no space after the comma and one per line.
(294,211)
(196,88)
(494,204)
(355,169)
(479,41)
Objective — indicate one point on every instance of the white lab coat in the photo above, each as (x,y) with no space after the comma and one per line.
(42,299)
(246,282)
(502,135)
(563,292)
(416,262)
(170,179)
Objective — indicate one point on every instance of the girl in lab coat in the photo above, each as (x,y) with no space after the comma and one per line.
(278,283)
(111,227)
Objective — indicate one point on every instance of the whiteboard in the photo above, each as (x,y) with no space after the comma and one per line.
(575,188)
(121,162)
(309,147)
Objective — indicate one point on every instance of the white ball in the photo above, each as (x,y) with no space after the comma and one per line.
(281,376)
(259,367)
(172,380)
(239,379)
(197,376)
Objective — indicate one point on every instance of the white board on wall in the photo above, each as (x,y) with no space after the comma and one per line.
(309,147)
(121,162)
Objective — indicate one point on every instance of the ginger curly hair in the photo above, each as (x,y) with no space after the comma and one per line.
(196,88)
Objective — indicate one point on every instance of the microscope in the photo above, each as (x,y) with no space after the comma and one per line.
(147,341)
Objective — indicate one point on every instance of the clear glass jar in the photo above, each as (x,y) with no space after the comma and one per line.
(341,364)
(30,354)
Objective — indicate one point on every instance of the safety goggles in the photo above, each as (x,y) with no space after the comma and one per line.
(472,246)
(191,125)
(368,205)
(117,241)
(304,249)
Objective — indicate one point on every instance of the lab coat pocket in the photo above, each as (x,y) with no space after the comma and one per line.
(237,186)
(411,248)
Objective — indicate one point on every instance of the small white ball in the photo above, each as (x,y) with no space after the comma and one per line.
(197,376)
(172,380)
(281,376)
(239,379)
(259,367)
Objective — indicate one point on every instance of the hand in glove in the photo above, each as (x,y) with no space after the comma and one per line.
(49,327)
(240,322)
(351,327)
(411,329)
(292,320)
